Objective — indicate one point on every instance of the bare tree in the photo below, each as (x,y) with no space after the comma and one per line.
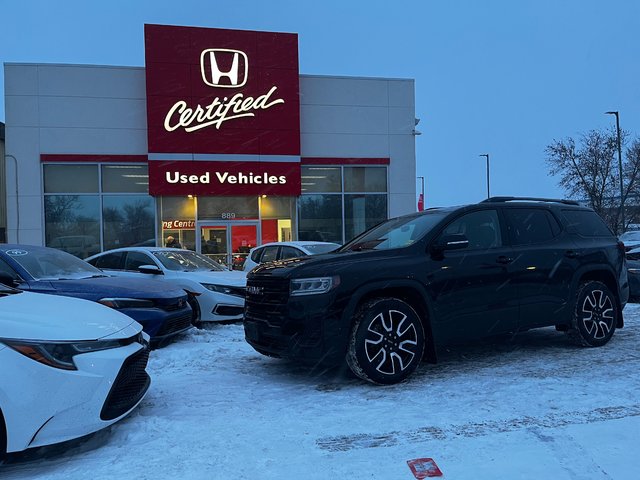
(589,171)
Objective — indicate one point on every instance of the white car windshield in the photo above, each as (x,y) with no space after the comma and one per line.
(186,261)
(52,264)
(318,248)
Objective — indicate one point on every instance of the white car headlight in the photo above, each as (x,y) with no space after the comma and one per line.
(60,354)
(227,290)
(313,286)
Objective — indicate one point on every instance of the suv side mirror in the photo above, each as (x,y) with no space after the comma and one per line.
(150,269)
(456,241)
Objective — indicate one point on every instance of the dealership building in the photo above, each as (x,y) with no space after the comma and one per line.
(218,141)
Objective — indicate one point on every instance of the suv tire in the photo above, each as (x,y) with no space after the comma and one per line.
(595,315)
(387,341)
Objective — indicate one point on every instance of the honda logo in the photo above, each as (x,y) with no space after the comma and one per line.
(235,76)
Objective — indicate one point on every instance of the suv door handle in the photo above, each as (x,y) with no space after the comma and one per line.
(571,254)
(504,260)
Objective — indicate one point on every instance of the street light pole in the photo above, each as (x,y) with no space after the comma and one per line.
(617,114)
(487,155)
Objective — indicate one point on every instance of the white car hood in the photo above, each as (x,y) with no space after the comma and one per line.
(38,316)
(230,278)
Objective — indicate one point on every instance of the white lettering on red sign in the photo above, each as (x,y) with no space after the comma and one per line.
(225,177)
(217,112)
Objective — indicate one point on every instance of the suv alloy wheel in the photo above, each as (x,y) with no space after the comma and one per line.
(595,315)
(387,341)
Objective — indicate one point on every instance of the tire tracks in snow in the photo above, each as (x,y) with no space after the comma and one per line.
(343,443)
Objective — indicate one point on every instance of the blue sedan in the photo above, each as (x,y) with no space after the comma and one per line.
(162,311)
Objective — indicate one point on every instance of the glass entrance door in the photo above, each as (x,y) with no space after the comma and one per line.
(227,242)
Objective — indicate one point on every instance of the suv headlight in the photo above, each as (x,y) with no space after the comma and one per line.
(119,303)
(59,354)
(313,286)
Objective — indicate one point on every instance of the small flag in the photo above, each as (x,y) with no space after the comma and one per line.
(421,202)
(423,468)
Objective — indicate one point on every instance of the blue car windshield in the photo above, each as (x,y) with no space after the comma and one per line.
(52,264)
(395,233)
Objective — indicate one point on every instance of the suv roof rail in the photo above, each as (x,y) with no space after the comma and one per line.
(532,199)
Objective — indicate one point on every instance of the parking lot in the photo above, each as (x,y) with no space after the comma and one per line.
(533,406)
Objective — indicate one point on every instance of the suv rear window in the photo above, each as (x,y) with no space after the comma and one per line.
(586,223)
(531,225)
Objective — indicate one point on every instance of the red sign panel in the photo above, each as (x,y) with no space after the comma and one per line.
(222,91)
(423,468)
(224,178)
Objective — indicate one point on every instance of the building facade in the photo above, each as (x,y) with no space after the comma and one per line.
(218,141)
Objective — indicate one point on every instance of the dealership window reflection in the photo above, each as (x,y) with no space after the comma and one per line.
(338,203)
(128,220)
(320,218)
(72,223)
(77,198)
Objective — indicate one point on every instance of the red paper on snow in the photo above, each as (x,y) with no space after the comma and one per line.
(423,468)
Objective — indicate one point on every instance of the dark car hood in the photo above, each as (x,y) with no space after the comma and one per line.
(325,264)
(101,287)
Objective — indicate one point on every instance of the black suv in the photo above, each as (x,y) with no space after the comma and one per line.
(394,293)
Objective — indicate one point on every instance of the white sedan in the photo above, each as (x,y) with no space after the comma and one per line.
(270,252)
(69,367)
(215,294)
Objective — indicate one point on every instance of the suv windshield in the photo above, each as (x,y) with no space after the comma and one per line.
(187,261)
(395,233)
(50,264)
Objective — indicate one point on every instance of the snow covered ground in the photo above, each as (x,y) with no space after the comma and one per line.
(533,407)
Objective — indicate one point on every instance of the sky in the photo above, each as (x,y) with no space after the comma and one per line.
(495,77)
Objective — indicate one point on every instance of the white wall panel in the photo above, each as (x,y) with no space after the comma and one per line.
(21,110)
(344,119)
(401,120)
(317,90)
(94,141)
(92,81)
(402,93)
(341,146)
(91,112)
(20,79)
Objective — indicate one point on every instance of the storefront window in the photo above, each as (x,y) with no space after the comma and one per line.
(321,179)
(125,179)
(321,215)
(72,223)
(321,218)
(178,215)
(365,179)
(227,208)
(362,212)
(128,220)
(277,218)
(73,219)
(70,178)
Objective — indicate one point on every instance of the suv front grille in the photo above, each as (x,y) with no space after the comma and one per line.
(129,386)
(266,299)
